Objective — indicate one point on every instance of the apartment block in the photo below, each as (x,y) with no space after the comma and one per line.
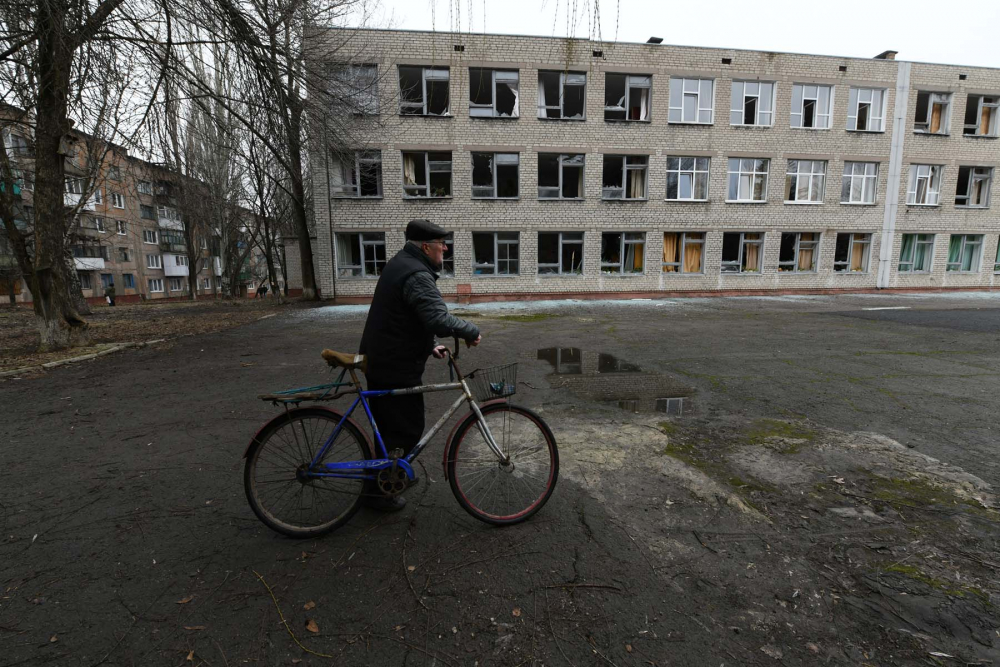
(577,168)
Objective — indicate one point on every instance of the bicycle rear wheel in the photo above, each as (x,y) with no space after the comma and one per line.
(280,494)
(497,493)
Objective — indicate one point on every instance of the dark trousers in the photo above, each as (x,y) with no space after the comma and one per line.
(400,419)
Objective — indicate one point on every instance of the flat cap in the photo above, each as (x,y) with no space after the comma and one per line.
(424,230)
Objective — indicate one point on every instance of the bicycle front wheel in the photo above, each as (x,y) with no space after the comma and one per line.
(281,495)
(495,492)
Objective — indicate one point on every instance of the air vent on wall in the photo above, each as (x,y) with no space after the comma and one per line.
(460,47)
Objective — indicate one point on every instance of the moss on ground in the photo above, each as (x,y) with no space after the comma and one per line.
(762,430)
(947,587)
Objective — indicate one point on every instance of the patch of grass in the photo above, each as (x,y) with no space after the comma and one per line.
(949,588)
(762,430)
(533,317)
(740,484)
(668,428)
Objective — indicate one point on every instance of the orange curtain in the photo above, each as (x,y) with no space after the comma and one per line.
(692,258)
(670,251)
(857,257)
(984,120)
(806,254)
(751,252)
(936,118)
(640,255)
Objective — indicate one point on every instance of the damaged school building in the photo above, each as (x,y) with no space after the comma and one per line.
(585,169)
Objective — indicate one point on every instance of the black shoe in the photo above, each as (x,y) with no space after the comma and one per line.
(386,504)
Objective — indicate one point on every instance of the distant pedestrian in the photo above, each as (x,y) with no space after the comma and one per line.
(261,291)
(109,294)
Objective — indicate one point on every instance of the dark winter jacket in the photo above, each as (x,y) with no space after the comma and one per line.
(406,314)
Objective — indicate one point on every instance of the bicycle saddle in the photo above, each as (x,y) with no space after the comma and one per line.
(345,360)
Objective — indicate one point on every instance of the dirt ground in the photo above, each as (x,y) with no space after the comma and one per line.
(127,323)
(743,482)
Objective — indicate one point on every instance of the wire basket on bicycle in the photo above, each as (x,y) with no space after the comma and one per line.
(488,384)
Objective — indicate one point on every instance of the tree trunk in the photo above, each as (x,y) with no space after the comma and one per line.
(59,322)
(309,288)
(75,287)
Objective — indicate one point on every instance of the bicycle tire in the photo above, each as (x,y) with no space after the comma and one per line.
(276,454)
(516,493)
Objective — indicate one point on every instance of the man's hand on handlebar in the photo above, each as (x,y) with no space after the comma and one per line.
(473,343)
(439,351)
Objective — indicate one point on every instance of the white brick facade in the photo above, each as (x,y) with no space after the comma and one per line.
(528,135)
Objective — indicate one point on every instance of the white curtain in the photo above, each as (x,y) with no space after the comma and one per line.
(517,100)
(541,99)
(409,170)
(643,105)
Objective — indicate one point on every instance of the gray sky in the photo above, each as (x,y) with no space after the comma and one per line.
(921,30)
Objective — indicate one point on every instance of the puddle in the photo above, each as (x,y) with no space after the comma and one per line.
(605,378)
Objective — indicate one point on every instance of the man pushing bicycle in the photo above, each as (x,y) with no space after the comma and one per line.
(406,314)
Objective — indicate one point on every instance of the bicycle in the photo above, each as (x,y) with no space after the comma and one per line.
(307,470)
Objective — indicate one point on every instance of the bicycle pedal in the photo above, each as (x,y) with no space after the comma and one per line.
(396,453)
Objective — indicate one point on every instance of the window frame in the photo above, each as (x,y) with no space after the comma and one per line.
(150,234)
(561,160)
(152,283)
(672,107)
(364,99)
(560,242)
(625,169)
(793,178)
(154,261)
(945,121)
(98,224)
(911,262)
(424,69)
(638,81)
(128,281)
(742,83)
(854,102)
(144,187)
(353,190)
(496,174)
(801,90)
(492,106)
(623,242)
(868,181)
(448,257)
(934,180)
(121,227)
(977,260)
(814,245)
(477,267)
(378,239)
(114,173)
(694,173)
(427,172)
(174,280)
(981,103)
(737,264)
(117,199)
(996,262)
(124,254)
(563,82)
(971,178)
(863,239)
(740,173)
(683,242)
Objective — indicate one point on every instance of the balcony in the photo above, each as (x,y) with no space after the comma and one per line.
(89,263)
(71,199)
(216,266)
(89,257)
(171,269)
(172,243)
(170,223)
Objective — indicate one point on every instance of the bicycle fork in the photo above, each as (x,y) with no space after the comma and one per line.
(484,428)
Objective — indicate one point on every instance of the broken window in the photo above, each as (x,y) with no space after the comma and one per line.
(691,101)
(866,110)
(357,174)
(797,253)
(805,181)
(981,113)
(687,178)
(560,176)
(915,253)
(560,253)
(752,103)
(426,174)
(360,254)
(354,89)
(925,185)
(850,254)
(448,260)
(811,106)
(858,186)
(626,97)
(683,252)
(562,95)
(741,252)
(623,252)
(964,252)
(564,360)
(423,91)
(748,179)
(974,187)
(494,175)
(933,113)
(996,262)
(495,254)
(493,93)
(624,177)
